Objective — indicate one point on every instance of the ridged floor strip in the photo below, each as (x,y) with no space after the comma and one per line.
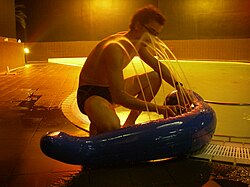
(232,152)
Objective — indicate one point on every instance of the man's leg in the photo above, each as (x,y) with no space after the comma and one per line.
(101,115)
(132,87)
(92,130)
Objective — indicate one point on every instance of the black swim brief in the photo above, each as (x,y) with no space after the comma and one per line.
(84,92)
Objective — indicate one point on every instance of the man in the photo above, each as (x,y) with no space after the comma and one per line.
(101,82)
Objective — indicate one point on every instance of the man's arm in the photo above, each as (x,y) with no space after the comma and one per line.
(155,64)
(184,98)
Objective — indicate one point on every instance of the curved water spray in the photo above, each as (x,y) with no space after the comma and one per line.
(159,49)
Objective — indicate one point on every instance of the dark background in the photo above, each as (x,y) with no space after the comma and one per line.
(86,20)
(7,18)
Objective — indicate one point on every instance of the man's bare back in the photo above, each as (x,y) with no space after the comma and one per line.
(94,70)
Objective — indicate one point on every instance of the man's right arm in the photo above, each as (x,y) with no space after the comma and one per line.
(157,66)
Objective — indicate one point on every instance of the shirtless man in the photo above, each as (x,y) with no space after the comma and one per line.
(101,82)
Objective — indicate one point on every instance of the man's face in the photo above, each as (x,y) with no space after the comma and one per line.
(153,28)
(145,31)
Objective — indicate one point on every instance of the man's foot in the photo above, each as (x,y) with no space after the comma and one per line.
(92,130)
(127,125)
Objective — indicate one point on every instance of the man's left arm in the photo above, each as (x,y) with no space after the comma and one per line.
(167,76)
(157,66)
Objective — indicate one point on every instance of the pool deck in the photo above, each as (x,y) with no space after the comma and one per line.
(30,105)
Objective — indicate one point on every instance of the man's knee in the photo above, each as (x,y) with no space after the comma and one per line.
(105,126)
(111,124)
(155,76)
(155,79)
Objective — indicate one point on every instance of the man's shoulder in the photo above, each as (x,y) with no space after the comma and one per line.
(114,43)
(113,46)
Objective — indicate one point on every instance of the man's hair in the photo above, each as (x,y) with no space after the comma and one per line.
(145,14)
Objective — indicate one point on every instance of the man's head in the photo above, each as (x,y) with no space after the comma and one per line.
(148,18)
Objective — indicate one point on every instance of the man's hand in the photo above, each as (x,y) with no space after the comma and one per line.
(170,110)
(185,97)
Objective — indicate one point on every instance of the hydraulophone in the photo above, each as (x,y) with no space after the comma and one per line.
(157,139)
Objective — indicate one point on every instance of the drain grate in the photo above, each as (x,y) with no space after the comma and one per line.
(236,153)
(228,151)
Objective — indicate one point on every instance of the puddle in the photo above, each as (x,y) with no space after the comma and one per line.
(217,174)
(224,174)
(28,103)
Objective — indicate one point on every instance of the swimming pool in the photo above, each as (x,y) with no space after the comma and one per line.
(225,83)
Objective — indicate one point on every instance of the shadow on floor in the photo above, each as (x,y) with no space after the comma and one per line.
(175,172)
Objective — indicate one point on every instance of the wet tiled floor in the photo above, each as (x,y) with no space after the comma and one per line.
(30,106)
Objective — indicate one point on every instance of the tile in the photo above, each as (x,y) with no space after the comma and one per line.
(31,180)
(9,153)
(150,174)
(109,177)
(61,179)
(4,180)
(33,151)
(188,170)
(62,167)
(33,166)
(7,166)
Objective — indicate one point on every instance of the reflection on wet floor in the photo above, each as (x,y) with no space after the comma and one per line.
(225,175)
(223,172)
(29,102)
(22,163)
(175,172)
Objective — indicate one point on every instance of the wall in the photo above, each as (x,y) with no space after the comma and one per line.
(78,20)
(11,54)
(216,49)
(205,19)
(212,49)
(195,29)
(7,18)
(91,20)
(41,51)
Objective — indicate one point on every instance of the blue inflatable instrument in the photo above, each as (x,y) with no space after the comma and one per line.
(163,138)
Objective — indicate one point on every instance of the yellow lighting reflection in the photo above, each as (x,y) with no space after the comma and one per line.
(160,160)
(104,4)
(205,4)
(26,50)
(54,133)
